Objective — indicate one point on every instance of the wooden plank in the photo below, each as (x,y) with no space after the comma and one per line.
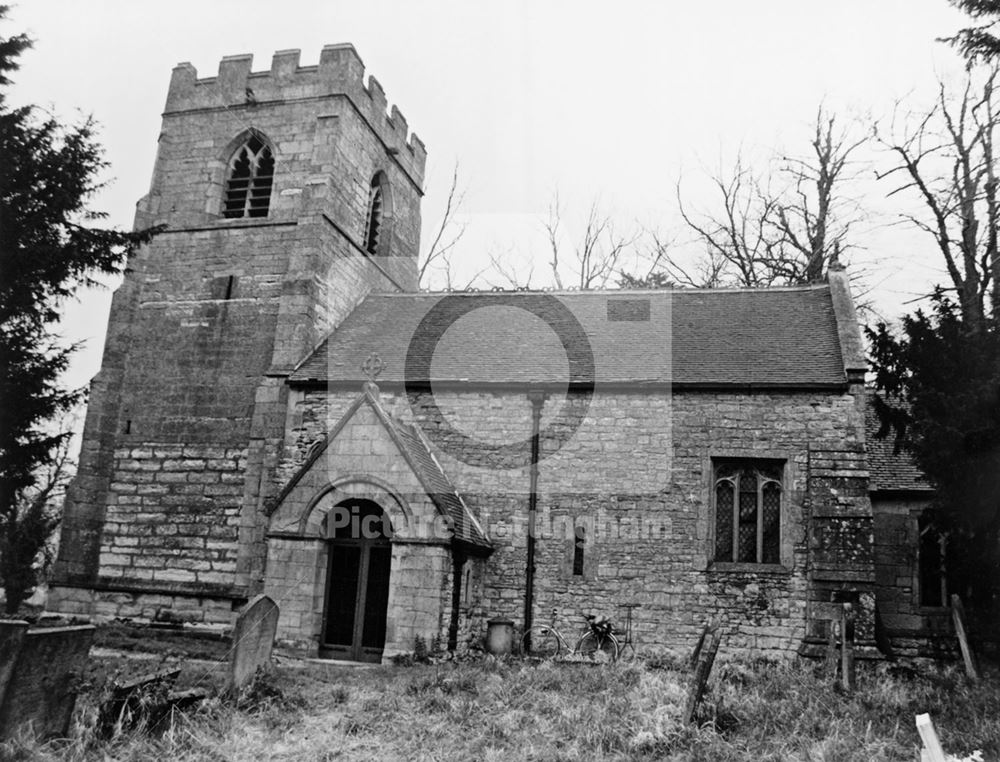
(958,617)
(830,662)
(847,673)
(701,672)
(930,740)
(700,645)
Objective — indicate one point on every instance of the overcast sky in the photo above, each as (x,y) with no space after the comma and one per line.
(616,102)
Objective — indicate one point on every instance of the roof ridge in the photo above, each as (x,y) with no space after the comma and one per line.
(421,437)
(609,291)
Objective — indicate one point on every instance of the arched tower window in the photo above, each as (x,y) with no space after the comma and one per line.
(249,181)
(375,217)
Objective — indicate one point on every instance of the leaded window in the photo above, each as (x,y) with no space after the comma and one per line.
(248,185)
(747,497)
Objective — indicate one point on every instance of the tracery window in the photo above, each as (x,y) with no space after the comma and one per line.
(747,497)
(248,184)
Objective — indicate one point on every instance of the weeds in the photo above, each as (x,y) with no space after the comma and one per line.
(502,709)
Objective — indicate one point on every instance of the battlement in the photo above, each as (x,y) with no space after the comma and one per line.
(340,72)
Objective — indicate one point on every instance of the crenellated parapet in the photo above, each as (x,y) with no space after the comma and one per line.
(340,72)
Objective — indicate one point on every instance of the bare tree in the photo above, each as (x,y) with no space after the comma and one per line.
(947,160)
(595,258)
(762,236)
(449,232)
(740,239)
(815,215)
(657,267)
(506,274)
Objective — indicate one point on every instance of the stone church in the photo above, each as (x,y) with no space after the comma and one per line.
(281,410)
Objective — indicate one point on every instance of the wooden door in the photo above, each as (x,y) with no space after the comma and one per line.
(357,585)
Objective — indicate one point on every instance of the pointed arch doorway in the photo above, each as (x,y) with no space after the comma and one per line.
(359,554)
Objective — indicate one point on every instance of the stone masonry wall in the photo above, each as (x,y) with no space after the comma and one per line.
(913,629)
(174,515)
(654,534)
(215,310)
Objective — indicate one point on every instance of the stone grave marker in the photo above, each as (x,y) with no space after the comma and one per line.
(253,638)
(958,617)
(702,669)
(44,679)
(11,637)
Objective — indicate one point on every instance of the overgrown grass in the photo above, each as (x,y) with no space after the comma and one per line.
(502,710)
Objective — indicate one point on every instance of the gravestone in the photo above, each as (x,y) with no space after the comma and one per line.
(253,638)
(11,637)
(702,669)
(958,616)
(43,683)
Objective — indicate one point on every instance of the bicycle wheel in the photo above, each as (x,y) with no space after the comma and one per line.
(540,642)
(598,647)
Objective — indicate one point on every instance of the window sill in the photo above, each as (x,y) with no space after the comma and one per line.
(731,567)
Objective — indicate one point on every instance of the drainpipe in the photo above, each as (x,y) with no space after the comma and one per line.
(537,398)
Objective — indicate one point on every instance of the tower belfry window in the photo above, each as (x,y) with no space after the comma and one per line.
(373,221)
(251,175)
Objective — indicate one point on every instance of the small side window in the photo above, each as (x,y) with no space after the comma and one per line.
(579,547)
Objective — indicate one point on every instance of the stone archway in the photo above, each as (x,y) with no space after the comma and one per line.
(357,533)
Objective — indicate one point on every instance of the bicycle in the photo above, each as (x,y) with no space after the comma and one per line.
(626,638)
(544,641)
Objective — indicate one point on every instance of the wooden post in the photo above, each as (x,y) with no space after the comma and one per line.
(701,644)
(958,617)
(847,647)
(929,737)
(701,672)
(830,662)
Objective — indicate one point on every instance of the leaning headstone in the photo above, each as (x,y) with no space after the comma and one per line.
(43,684)
(253,638)
(830,658)
(847,672)
(958,616)
(11,638)
(701,644)
(702,669)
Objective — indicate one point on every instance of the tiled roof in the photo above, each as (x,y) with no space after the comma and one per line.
(438,485)
(889,470)
(433,478)
(777,337)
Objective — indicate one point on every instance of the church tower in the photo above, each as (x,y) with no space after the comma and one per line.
(287,196)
